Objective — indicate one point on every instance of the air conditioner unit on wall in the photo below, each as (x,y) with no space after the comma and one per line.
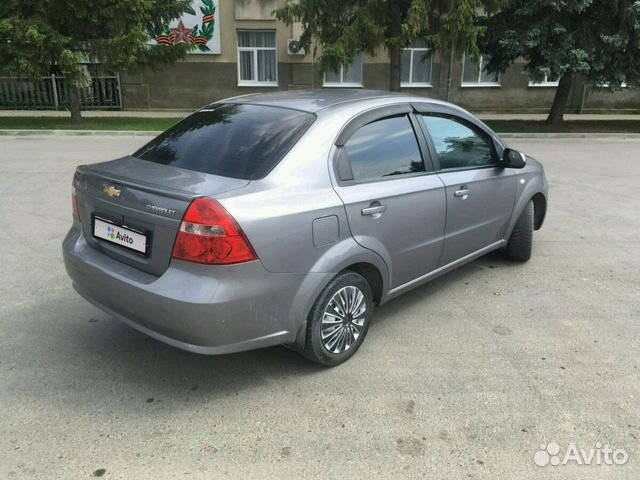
(294,47)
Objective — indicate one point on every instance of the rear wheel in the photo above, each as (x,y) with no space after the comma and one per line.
(521,241)
(339,320)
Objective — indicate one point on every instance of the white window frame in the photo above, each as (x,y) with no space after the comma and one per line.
(410,83)
(544,83)
(606,85)
(256,83)
(342,83)
(478,84)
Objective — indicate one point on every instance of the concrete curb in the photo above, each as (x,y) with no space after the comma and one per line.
(108,133)
(572,135)
(135,133)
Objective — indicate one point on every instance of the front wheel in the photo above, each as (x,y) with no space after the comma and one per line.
(521,241)
(339,320)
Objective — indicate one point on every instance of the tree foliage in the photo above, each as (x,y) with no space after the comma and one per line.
(597,39)
(38,36)
(343,28)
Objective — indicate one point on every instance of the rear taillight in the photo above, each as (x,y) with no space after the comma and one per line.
(209,234)
(74,199)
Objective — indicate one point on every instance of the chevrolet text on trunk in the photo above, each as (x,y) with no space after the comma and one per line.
(286,218)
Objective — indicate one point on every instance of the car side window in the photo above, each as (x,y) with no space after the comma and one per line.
(459,145)
(384,148)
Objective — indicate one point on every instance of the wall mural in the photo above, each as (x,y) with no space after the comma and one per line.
(198,27)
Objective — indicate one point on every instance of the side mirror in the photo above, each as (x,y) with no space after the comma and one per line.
(513,159)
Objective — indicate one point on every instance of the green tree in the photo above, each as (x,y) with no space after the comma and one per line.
(38,36)
(597,39)
(343,28)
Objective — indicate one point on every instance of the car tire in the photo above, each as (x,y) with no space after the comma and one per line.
(521,241)
(333,336)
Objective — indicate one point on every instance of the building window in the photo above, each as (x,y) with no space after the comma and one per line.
(475,75)
(415,65)
(346,76)
(623,84)
(257,63)
(548,81)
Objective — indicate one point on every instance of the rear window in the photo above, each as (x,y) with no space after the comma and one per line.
(238,141)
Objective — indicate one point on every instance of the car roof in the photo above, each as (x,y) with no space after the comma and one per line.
(315,100)
(335,101)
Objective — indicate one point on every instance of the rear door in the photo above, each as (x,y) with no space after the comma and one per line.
(395,203)
(480,193)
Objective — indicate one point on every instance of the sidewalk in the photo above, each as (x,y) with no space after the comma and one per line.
(184,113)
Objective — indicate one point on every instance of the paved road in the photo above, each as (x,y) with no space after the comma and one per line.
(463,378)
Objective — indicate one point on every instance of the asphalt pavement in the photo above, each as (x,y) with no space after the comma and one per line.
(466,377)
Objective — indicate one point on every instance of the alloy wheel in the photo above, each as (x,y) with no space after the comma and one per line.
(343,319)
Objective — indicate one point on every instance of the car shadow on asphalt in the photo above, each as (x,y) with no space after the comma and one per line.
(132,357)
(466,273)
(107,349)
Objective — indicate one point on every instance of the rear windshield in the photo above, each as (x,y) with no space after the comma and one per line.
(238,141)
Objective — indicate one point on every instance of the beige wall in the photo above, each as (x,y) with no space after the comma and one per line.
(236,15)
(253,15)
(254,9)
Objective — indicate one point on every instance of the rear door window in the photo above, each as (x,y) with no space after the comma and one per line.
(384,149)
(231,140)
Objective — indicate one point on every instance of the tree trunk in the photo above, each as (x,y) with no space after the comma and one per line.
(74,103)
(394,69)
(556,115)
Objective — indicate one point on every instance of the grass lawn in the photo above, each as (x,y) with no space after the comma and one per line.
(572,126)
(100,123)
(146,124)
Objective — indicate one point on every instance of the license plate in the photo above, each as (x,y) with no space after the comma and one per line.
(122,236)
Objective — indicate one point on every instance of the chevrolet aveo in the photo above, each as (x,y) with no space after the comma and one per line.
(285,218)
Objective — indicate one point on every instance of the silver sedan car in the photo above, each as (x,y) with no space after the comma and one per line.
(286,218)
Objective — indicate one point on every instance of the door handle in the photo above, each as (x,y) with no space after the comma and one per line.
(463,192)
(375,211)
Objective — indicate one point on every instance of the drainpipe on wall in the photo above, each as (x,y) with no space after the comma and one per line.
(450,70)
(583,100)
(313,62)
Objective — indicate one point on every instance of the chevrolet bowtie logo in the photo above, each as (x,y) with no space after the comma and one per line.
(111,191)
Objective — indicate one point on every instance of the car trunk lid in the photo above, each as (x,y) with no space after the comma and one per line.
(146,198)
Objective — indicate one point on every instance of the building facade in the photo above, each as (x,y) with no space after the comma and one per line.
(241,48)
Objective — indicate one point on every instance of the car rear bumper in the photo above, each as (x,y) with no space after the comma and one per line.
(199,308)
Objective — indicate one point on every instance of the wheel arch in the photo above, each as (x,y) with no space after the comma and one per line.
(372,275)
(534,190)
(539,210)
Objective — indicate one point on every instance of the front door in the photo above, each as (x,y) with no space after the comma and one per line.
(395,204)
(480,193)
